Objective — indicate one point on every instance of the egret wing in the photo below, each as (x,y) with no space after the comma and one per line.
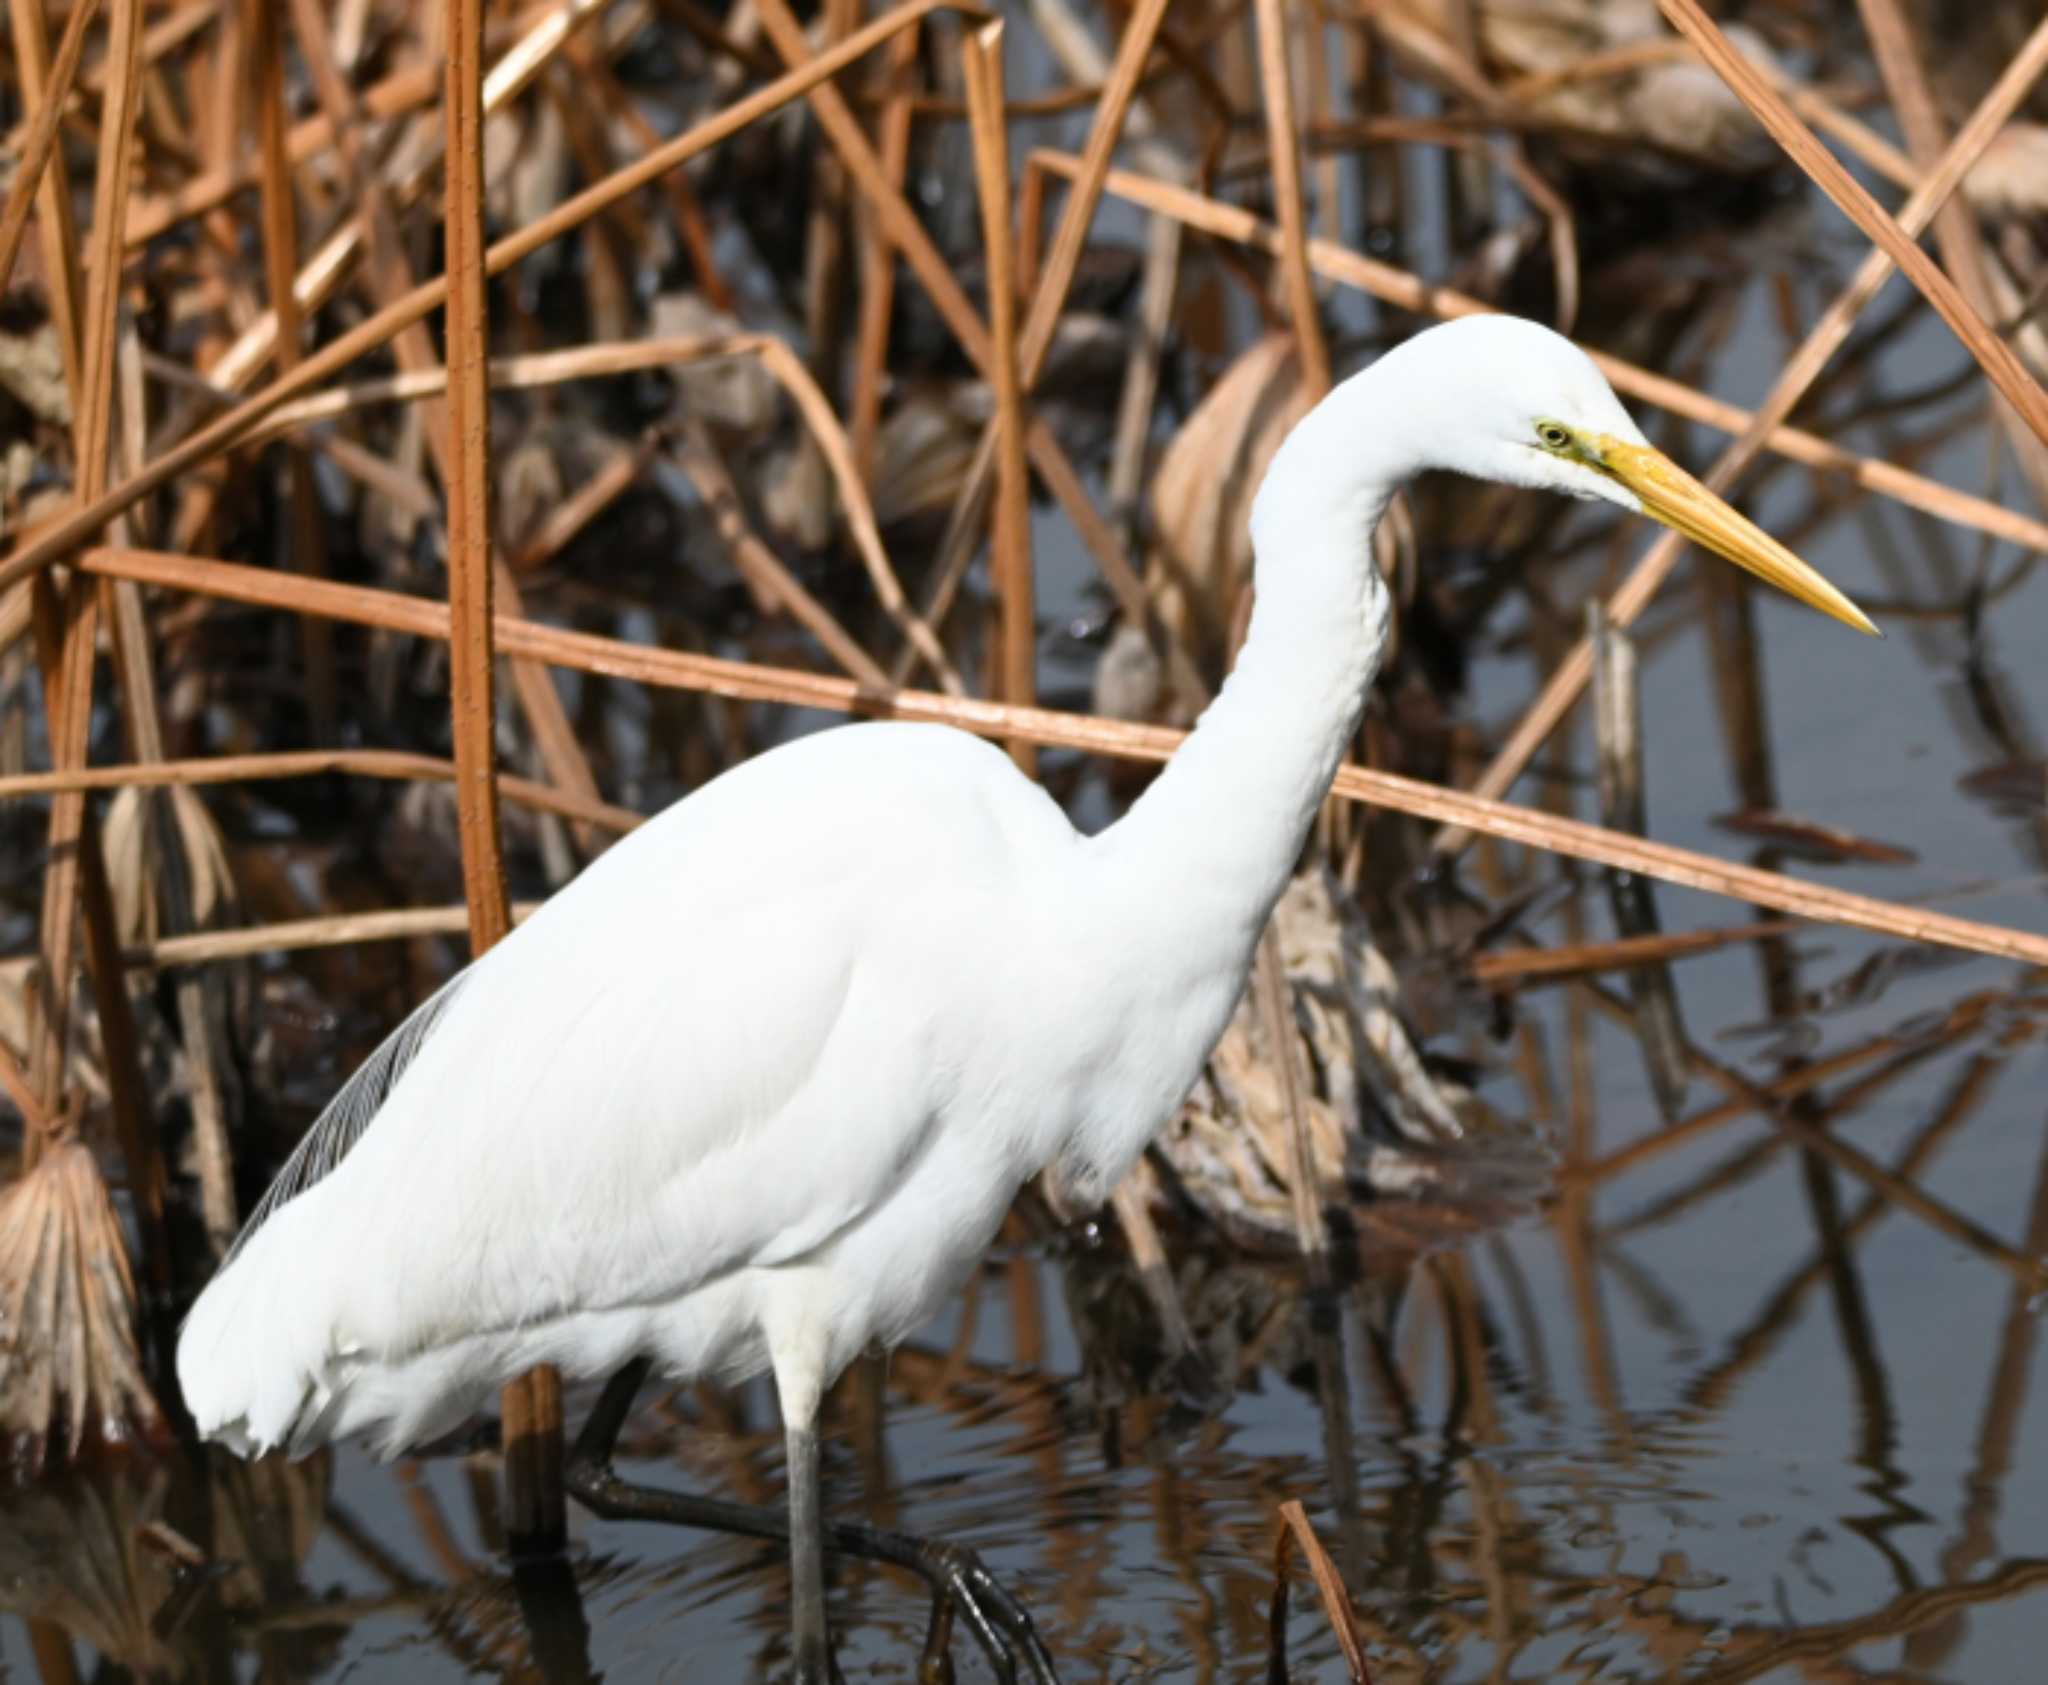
(625,1100)
(340,1126)
(727,1042)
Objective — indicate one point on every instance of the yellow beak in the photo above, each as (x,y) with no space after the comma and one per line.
(1671,495)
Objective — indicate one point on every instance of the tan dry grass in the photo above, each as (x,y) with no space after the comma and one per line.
(2003,368)
(756,682)
(366,252)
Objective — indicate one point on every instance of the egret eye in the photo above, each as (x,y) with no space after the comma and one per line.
(1552,435)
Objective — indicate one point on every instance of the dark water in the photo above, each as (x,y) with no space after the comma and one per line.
(1728,1410)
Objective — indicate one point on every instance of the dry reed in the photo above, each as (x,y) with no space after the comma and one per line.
(70,1362)
(167,430)
(1822,341)
(1997,358)
(1017,667)
(1298,1534)
(756,682)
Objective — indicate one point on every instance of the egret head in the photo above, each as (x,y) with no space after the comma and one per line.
(1504,399)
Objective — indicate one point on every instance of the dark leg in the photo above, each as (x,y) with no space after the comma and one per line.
(807,1555)
(957,1578)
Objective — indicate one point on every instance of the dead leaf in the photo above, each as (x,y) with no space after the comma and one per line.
(733,392)
(32,368)
(2011,179)
(1202,495)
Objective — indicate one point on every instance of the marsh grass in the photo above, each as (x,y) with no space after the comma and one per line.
(271,439)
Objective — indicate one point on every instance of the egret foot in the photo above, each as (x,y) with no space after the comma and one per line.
(960,1584)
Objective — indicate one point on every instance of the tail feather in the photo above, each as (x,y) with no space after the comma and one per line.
(265,1365)
(256,1360)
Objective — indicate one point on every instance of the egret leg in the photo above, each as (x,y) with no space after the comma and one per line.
(807,1552)
(959,1582)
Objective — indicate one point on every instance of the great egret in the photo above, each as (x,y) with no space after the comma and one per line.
(755,1091)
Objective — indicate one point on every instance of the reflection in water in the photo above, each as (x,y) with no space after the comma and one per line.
(1725,1413)
(104,1558)
(1758,1396)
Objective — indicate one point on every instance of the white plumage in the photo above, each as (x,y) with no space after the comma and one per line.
(756,1089)
(667,1110)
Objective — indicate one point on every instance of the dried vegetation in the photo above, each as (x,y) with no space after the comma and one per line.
(700,362)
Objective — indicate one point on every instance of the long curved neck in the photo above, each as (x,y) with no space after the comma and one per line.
(1216,835)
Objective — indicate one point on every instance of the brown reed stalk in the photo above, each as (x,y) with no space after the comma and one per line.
(878,258)
(56,226)
(1408,292)
(747,681)
(1525,967)
(950,299)
(93,404)
(327,930)
(87,334)
(67,698)
(221,80)
(1996,358)
(530,1406)
(472,676)
(546,368)
(262,22)
(226,431)
(310,763)
(1070,238)
(1955,225)
(42,137)
(1010,532)
(391,276)
(696,453)
(619,473)
(1827,335)
(1052,280)
(324,272)
(66,1292)
(1329,1585)
(1283,151)
(1304,1182)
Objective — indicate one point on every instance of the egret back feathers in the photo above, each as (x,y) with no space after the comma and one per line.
(341,1124)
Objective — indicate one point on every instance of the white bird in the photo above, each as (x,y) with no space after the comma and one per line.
(754,1092)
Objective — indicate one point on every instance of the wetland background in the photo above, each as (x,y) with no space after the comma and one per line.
(1710,1352)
